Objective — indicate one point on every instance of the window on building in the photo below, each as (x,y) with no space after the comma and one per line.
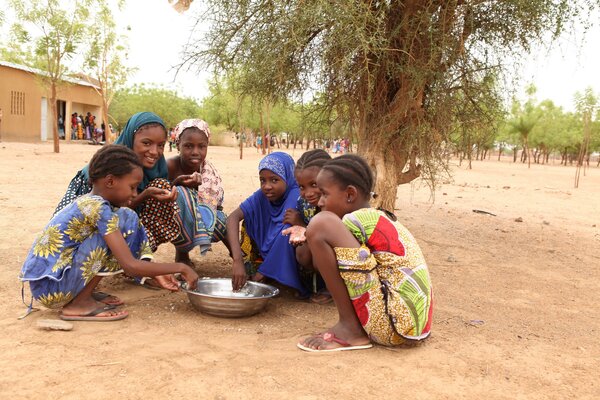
(17,103)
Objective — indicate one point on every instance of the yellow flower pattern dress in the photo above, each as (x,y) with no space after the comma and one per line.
(71,249)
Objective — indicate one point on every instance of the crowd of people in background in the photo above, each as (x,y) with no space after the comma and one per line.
(335,146)
(338,146)
(83,127)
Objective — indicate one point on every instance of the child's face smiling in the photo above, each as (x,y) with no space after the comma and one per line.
(272,185)
(149,145)
(307,181)
(192,147)
(122,190)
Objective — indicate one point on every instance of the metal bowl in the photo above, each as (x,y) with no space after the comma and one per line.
(215,296)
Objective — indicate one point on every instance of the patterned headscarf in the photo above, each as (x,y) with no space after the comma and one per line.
(210,192)
(191,123)
(283,165)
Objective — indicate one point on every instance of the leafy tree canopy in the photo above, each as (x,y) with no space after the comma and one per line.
(397,70)
(171,107)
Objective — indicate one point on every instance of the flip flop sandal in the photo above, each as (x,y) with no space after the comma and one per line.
(331,338)
(93,315)
(102,297)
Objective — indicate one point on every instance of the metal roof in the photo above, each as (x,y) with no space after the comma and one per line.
(36,71)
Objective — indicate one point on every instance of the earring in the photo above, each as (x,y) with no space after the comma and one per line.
(349,201)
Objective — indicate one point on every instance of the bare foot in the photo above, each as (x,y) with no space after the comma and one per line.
(257,277)
(107,299)
(336,337)
(85,307)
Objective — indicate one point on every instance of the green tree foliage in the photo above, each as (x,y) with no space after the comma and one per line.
(587,105)
(220,107)
(546,128)
(104,57)
(227,106)
(395,68)
(60,28)
(523,119)
(171,107)
(554,131)
(477,121)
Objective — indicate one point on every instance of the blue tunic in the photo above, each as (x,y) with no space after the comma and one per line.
(263,220)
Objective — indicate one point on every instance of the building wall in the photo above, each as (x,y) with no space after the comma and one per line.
(23,91)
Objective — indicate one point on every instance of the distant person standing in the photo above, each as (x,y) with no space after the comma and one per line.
(86,126)
(93,121)
(258,143)
(61,127)
(73,126)
(79,127)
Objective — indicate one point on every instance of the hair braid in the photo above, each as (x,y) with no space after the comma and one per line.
(350,169)
(112,159)
(313,158)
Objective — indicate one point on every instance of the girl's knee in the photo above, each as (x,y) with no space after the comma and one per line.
(322,225)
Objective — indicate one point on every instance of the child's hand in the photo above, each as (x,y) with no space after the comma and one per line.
(162,195)
(292,217)
(238,280)
(190,276)
(167,282)
(193,181)
(297,235)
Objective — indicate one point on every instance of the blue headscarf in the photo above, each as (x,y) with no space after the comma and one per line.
(264,222)
(159,170)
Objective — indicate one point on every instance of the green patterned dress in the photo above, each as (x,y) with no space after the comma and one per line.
(387,278)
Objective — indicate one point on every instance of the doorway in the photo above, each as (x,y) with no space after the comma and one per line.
(44,115)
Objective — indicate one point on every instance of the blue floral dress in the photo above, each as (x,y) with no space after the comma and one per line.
(71,249)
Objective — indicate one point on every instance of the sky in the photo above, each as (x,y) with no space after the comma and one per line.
(158,33)
(571,65)
(157,36)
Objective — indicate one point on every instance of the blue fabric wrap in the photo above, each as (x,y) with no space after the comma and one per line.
(264,223)
(159,170)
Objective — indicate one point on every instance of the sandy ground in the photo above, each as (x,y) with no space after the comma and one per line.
(517,302)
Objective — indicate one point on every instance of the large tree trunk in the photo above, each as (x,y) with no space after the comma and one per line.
(388,160)
(54,117)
